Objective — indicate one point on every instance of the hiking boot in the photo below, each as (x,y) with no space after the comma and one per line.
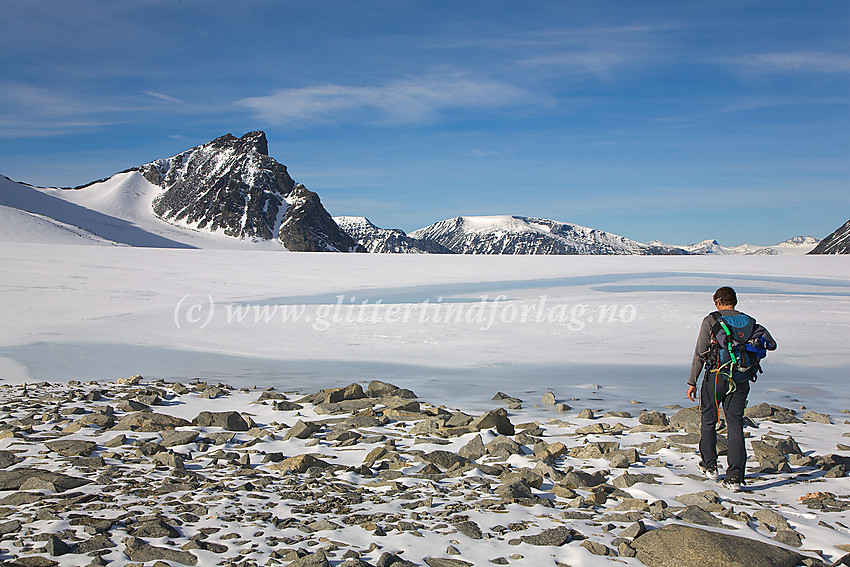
(733,484)
(710,474)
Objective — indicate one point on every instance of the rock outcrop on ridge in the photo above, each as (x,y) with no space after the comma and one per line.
(836,243)
(232,185)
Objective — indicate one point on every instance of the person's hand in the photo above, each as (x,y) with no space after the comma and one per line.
(692,393)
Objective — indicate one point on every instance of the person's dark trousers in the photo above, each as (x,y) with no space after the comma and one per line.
(733,408)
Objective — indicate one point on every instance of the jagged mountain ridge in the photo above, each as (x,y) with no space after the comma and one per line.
(228,184)
(529,235)
(387,240)
(836,243)
(231,184)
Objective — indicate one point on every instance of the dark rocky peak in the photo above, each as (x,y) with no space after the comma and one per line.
(229,184)
(252,141)
(308,227)
(836,243)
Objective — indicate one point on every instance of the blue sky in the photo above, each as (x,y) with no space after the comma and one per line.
(676,121)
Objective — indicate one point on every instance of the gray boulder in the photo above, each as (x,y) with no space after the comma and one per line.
(13,479)
(72,447)
(493,419)
(7,459)
(228,420)
(176,438)
(302,430)
(687,419)
(138,550)
(653,418)
(676,545)
(443,459)
(147,422)
(554,537)
(503,447)
(473,450)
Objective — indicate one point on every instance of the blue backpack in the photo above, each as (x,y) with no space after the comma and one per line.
(738,345)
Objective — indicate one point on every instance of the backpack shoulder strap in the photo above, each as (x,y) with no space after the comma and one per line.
(714,322)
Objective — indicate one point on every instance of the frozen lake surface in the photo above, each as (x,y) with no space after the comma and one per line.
(455,329)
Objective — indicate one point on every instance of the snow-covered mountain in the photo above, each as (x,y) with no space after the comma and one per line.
(527,235)
(227,193)
(387,240)
(836,243)
(796,245)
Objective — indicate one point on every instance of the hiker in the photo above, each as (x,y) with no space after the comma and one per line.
(730,345)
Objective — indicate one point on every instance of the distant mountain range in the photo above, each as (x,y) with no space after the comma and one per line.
(229,193)
(526,235)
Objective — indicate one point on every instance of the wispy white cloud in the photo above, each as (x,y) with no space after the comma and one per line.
(402,101)
(164,97)
(597,51)
(785,62)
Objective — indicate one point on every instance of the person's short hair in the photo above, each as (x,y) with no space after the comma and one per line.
(726,296)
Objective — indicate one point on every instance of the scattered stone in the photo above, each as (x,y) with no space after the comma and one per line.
(299,464)
(470,529)
(586,413)
(635,530)
(473,450)
(12,526)
(115,442)
(176,438)
(72,447)
(138,550)
(627,480)
(503,447)
(653,418)
(497,419)
(14,478)
(302,430)
(446,562)
(7,459)
(708,500)
(553,537)
(817,417)
(228,420)
(56,546)
(580,479)
(549,398)
(131,406)
(443,459)
(596,548)
(153,529)
(149,422)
